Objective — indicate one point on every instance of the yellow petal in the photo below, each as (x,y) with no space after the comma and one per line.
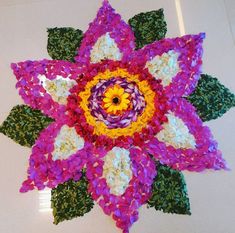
(115,90)
(107,105)
(125,95)
(110,109)
(127,101)
(109,93)
(119,107)
(124,106)
(120,91)
(107,100)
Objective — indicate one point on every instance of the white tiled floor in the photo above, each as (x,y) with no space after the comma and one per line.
(230,10)
(23,36)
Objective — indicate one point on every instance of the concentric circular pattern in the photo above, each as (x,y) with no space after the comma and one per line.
(127,114)
(114,106)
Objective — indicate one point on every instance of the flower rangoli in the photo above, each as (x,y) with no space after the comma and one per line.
(119,118)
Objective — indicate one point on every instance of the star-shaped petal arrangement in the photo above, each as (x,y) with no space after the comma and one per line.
(115,116)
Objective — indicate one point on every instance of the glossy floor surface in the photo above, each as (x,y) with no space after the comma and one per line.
(23,36)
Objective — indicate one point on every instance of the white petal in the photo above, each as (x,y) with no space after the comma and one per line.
(58,88)
(117,170)
(105,48)
(176,133)
(164,67)
(67,143)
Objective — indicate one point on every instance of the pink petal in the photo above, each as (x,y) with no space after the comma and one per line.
(189,50)
(43,171)
(31,88)
(106,21)
(123,208)
(205,155)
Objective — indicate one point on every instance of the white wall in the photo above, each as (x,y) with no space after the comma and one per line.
(23,36)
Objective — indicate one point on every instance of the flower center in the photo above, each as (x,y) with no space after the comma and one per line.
(116,100)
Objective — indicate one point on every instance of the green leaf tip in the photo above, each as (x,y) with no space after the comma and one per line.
(211,98)
(169,193)
(148,27)
(24,124)
(70,200)
(63,43)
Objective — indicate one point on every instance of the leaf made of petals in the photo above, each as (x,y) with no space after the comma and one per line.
(169,192)
(70,200)
(148,27)
(63,43)
(211,98)
(24,124)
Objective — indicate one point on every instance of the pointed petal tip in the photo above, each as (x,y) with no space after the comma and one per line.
(219,163)
(26,186)
(221,167)
(13,65)
(125,231)
(202,35)
(22,190)
(106,3)
(107,21)
(225,167)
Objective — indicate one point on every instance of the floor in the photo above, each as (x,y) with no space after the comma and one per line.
(23,36)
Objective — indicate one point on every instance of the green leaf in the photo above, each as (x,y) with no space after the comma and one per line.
(63,43)
(148,27)
(24,124)
(169,193)
(211,98)
(71,199)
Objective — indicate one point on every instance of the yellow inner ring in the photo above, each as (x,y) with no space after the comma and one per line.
(136,126)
